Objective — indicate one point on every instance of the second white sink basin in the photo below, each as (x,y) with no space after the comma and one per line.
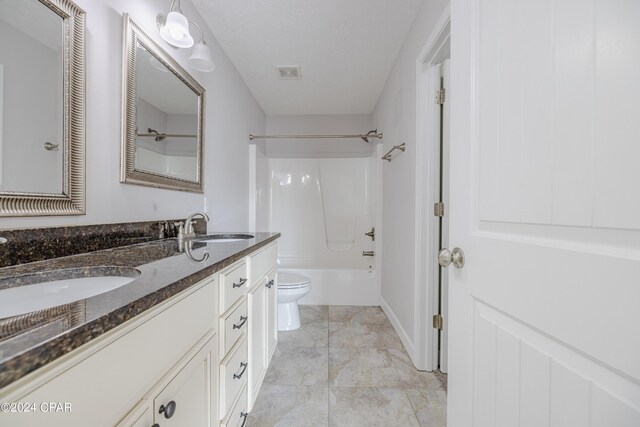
(223,238)
(39,296)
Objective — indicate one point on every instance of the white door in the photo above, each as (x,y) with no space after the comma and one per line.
(545,168)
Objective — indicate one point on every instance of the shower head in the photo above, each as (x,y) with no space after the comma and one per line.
(159,137)
(370,133)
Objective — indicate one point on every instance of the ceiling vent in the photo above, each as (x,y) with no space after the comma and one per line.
(289,72)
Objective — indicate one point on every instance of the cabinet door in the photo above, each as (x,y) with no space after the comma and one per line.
(140,416)
(256,339)
(272,315)
(186,400)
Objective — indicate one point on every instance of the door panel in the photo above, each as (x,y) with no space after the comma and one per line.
(525,378)
(544,321)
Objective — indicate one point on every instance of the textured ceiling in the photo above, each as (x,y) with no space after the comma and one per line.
(345,49)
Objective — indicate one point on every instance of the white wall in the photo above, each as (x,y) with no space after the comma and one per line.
(395,115)
(231,114)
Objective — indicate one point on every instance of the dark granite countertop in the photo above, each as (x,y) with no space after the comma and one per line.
(164,269)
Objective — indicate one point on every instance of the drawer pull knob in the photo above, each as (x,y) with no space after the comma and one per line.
(240,283)
(168,410)
(243,366)
(243,320)
(244,415)
(270,283)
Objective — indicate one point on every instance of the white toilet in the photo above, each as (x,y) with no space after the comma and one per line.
(291,287)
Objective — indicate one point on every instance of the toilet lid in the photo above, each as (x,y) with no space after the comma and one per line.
(291,280)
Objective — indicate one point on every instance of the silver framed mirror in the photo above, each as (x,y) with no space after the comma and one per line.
(163,117)
(42,108)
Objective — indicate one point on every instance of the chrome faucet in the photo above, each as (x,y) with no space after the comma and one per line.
(188,232)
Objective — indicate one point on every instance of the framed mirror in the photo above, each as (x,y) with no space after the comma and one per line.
(42,108)
(163,110)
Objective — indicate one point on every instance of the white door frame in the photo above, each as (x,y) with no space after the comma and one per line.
(427,181)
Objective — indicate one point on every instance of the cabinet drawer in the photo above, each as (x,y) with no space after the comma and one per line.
(232,327)
(233,286)
(233,376)
(238,415)
(263,262)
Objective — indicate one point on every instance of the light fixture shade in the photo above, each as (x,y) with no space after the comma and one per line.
(176,30)
(200,57)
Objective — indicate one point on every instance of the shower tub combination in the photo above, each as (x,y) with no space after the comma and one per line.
(323,207)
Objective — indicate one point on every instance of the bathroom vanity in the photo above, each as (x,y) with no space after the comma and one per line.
(186,343)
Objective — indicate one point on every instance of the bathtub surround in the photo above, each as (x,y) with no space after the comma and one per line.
(231,114)
(165,271)
(37,244)
(323,196)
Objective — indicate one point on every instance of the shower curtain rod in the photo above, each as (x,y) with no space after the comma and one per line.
(167,135)
(364,136)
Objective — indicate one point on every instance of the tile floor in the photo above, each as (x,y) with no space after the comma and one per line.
(346,367)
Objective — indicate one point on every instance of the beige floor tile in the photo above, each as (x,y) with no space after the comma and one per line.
(290,406)
(358,315)
(308,335)
(348,334)
(293,365)
(383,407)
(430,406)
(314,315)
(361,367)
(357,352)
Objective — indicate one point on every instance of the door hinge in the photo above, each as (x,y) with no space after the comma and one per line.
(438,209)
(438,321)
(441,96)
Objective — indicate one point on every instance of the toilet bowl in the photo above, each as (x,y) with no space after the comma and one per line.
(291,287)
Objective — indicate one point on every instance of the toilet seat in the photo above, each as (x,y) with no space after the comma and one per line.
(292,281)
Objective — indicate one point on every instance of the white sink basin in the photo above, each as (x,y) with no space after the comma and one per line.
(223,238)
(28,298)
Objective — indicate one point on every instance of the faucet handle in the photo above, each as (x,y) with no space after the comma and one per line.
(180,226)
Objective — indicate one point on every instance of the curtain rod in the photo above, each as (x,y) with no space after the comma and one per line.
(364,136)
(166,135)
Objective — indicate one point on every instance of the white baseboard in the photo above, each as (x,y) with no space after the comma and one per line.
(404,337)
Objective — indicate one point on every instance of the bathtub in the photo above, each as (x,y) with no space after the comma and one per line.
(340,286)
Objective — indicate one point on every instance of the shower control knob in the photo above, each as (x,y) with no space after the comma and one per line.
(455,257)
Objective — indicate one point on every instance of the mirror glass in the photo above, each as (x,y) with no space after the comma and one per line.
(42,108)
(31,98)
(162,117)
(166,120)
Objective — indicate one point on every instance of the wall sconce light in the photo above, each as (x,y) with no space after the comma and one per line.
(200,57)
(175,30)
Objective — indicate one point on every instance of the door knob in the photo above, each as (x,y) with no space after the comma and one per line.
(372,234)
(446,257)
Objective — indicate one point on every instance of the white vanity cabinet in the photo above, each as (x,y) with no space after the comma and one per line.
(124,376)
(248,328)
(263,323)
(233,323)
(184,397)
(197,359)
